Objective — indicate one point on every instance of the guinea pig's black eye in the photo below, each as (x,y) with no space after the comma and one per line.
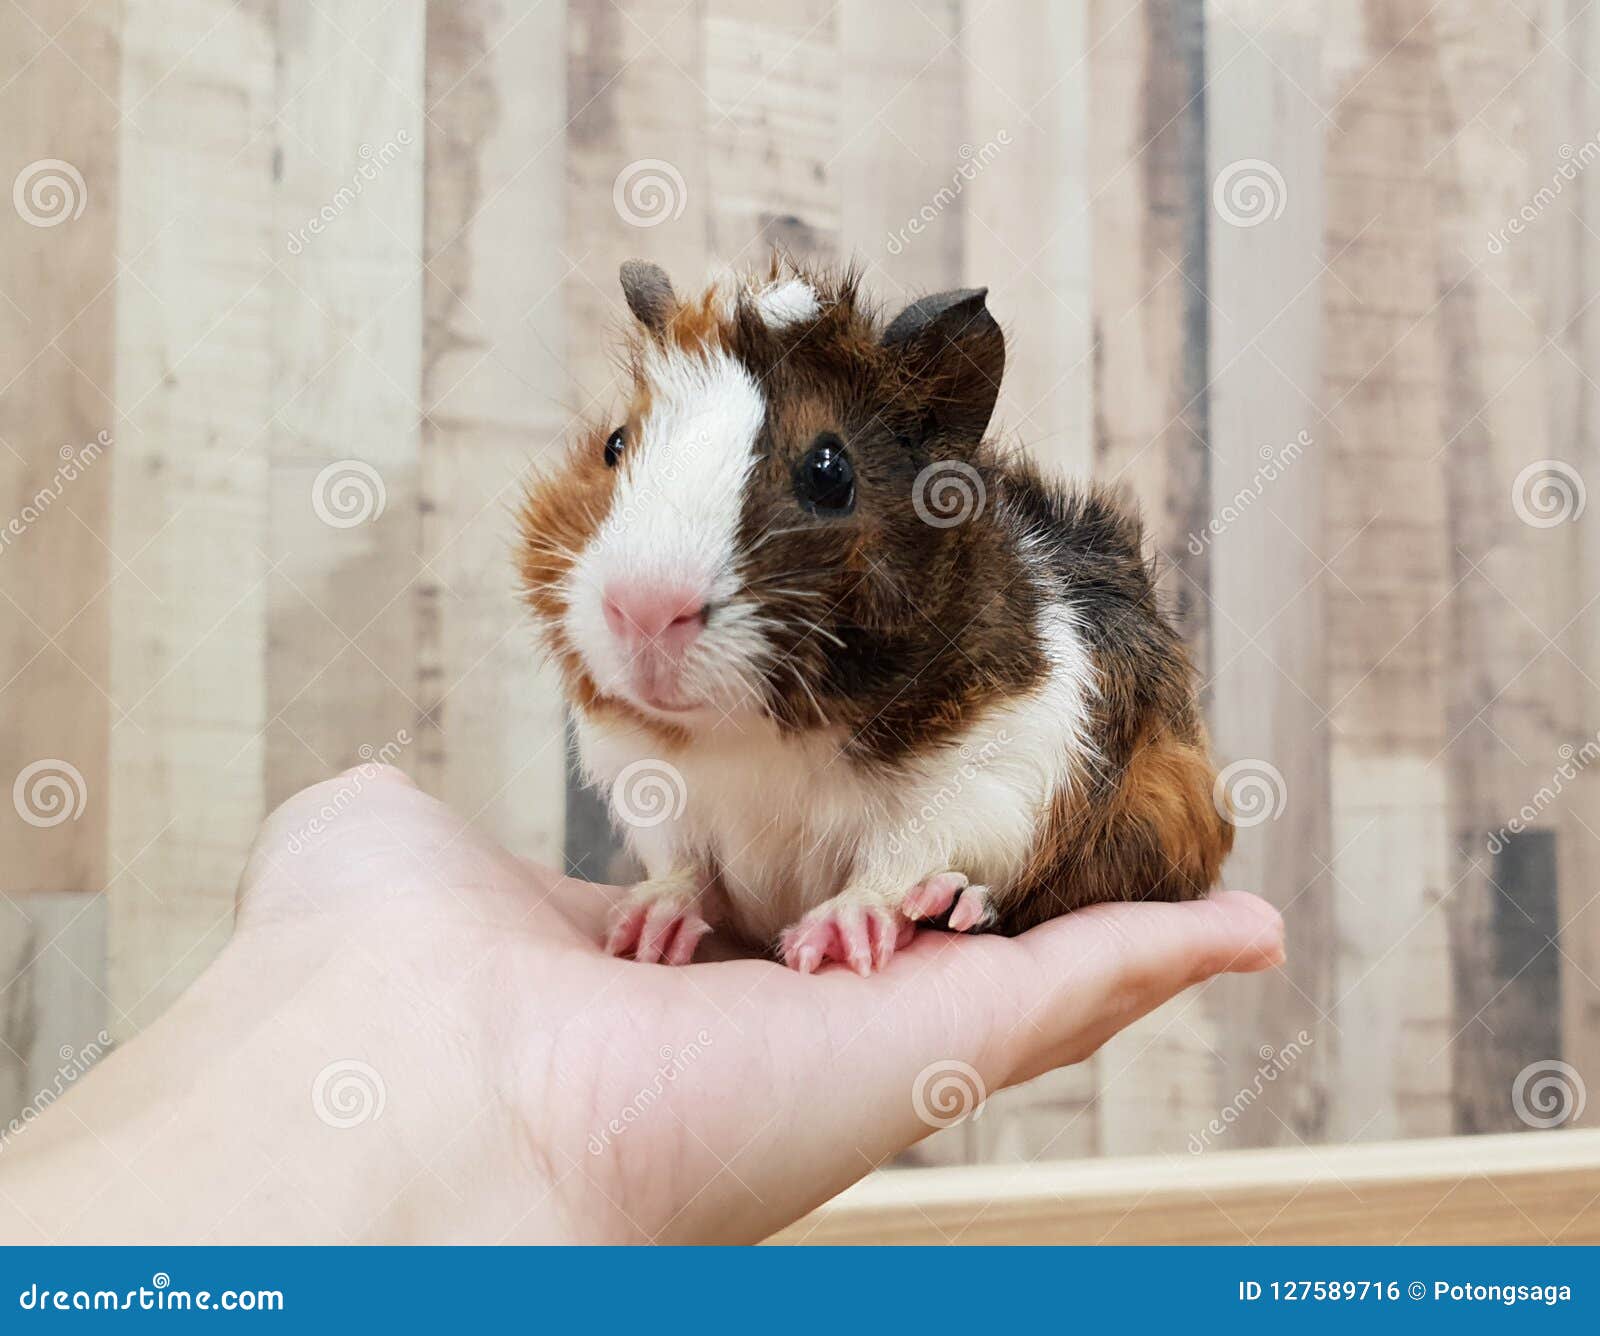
(614,445)
(825,482)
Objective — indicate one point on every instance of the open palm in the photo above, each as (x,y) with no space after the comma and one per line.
(532,1087)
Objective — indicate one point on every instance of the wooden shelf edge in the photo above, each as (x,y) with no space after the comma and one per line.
(1524,1188)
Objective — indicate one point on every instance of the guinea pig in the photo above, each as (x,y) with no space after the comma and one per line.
(842,665)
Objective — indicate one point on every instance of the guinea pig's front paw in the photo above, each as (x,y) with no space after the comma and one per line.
(968,905)
(659,923)
(862,936)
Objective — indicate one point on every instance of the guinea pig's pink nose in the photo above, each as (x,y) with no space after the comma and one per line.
(664,615)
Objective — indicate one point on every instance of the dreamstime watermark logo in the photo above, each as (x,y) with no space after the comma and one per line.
(348,1093)
(1547,493)
(1276,461)
(1249,792)
(1249,192)
(948,492)
(1274,1063)
(347,493)
(973,161)
(373,161)
(974,760)
(647,792)
(74,1063)
(649,192)
(49,192)
(350,788)
(948,1092)
(674,1062)
(1574,761)
(1573,161)
(50,791)
(1548,1094)
(75,460)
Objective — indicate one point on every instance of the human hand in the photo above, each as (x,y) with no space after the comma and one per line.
(416,1036)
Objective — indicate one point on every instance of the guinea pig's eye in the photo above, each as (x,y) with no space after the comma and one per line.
(614,446)
(825,482)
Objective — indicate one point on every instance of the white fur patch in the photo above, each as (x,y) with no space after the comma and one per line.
(786,302)
(675,514)
(791,823)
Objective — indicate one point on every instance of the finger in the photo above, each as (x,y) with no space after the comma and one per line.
(1100,969)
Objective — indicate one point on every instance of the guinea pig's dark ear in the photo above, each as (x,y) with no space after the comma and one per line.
(955,352)
(649,293)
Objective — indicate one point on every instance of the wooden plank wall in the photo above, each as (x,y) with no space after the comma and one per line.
(343,274)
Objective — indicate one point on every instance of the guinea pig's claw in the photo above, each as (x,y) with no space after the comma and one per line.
(664,933)
(972,909)
(864,938)
(930,898)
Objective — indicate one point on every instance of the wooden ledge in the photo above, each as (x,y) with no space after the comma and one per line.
(1532,1188)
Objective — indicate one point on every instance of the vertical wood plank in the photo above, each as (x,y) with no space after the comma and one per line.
(1266,174)
(900,126)
(771,99)
(1387,594)
(58,80)
(193,387)
(1512,696)
(1023,174)
(1147,211)
(491,740)
(344,534)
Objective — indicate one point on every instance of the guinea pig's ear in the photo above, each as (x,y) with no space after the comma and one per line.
(954,349)
(649,293)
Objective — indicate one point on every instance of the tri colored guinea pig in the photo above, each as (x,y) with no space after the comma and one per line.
(842,666)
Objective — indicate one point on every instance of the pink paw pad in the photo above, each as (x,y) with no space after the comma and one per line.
(863,938)
(661,933)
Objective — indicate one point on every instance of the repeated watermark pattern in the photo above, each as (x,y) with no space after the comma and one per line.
(348,789)
(348,492)
(948,1092)
(75,461)
(648,792)
(50,791)
(373,162)
(1573,161)
(1548,1094)
(1548,492)
(1574,761)
(347,1093)
(1275,461)
(649,192)
(1249,192)
(49,192)
(948,493)
(1250,791)
(74,1063)
(1274,1063)
(973,762)
(674,1063)
(973,161)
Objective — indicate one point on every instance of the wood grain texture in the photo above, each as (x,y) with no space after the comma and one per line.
(1387,605)
(1160,1079)
(58,422)
(344,536)
(1510,1190)
(189,651)
(493,381)
(1268,668)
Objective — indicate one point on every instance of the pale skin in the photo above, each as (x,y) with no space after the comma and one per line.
(493,1058)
